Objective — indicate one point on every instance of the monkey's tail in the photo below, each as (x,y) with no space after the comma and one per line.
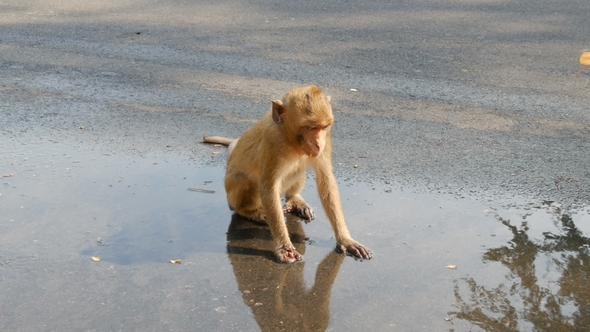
(218,140)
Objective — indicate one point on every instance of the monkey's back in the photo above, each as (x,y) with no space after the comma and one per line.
(261,146)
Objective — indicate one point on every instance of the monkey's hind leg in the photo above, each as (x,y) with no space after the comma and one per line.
(295,204)
(243,197)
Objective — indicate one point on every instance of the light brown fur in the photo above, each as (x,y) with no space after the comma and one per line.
(269,161)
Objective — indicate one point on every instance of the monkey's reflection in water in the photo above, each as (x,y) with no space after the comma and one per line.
(276,293)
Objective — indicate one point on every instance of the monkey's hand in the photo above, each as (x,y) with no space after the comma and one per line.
(354,249)
(287,254)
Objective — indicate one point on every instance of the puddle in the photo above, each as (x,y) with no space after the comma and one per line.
(516,269)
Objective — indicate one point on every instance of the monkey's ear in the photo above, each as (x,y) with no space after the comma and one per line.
(278,111)
(329,98)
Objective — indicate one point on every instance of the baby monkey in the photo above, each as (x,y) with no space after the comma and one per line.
(270,160)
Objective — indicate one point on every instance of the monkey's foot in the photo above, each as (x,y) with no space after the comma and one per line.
(355,249)
(256,215)
(301,210)
(287,254)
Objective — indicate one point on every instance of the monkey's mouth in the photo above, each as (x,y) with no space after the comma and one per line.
(314,154)
(311,153)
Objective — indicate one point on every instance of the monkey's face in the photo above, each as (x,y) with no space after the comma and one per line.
(305,114)
(312,138)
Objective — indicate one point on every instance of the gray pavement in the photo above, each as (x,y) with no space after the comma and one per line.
(103,105)
(475,98)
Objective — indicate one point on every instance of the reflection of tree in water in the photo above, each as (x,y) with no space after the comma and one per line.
(277,293)
(522,304)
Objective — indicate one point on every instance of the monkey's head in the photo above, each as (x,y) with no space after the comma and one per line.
(305,115)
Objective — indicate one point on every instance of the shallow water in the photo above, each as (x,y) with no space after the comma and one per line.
(515,268)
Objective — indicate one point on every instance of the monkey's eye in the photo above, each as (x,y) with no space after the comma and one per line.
(311,128)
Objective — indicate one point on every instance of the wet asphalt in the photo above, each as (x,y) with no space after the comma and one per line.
(473,98)
(103,106)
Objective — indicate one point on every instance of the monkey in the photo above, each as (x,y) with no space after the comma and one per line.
(269,161)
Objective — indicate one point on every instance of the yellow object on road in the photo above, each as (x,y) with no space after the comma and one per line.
(585,59)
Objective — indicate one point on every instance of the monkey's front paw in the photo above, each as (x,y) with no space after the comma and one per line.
(287,254)
(356,250)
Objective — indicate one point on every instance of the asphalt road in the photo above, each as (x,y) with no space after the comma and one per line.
(470,97)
